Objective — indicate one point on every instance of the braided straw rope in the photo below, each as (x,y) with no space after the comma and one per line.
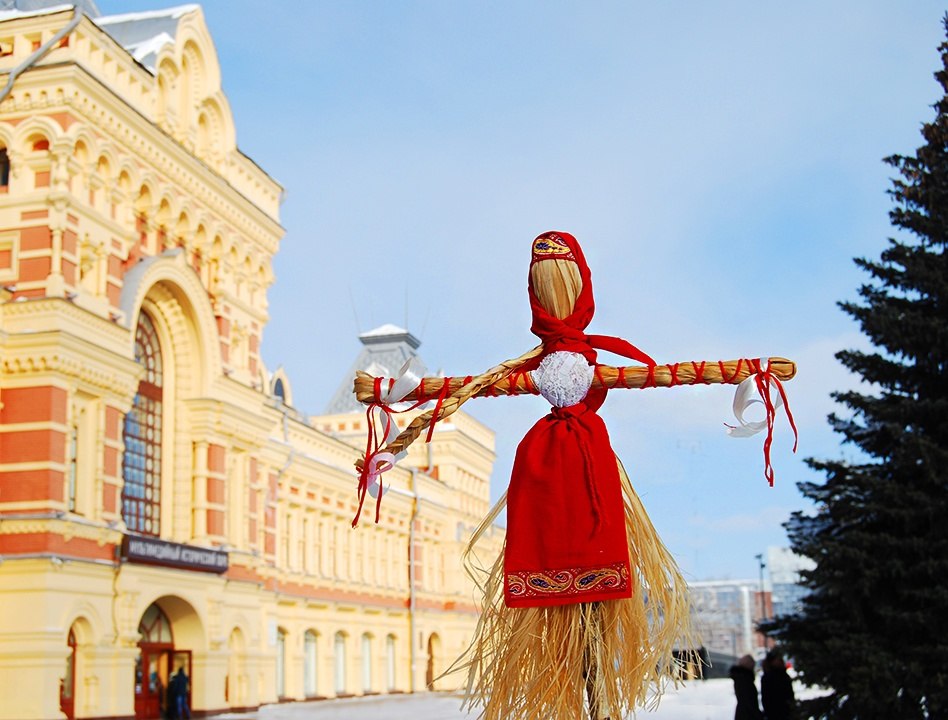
(459,394)
(729,372)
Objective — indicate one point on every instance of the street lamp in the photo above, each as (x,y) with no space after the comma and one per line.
(763,604)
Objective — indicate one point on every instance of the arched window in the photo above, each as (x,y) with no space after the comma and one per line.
(154,627)
(281,663)
(235,683)
(390,662)
(367,663)
(4,170)
(340,658)
(141,463)
(310,658)
(434,657)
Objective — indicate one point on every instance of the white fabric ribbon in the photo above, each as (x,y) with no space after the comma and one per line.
(376,466)
(408,380)
(748,394)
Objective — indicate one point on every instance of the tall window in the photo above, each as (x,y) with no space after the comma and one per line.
(141,464)
(281,663)
(72,466)
(390,662)
(303,547)
(367,663)
(340,658)
(309,664)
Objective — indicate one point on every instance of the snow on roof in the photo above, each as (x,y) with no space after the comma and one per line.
(172,12)
(143,34)
(383,330)
(11,14)
(140,51)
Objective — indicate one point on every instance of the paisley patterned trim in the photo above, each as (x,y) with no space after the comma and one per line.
(568,582)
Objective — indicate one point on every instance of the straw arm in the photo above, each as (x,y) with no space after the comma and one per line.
(729,372)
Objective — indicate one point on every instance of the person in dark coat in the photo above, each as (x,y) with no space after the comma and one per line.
(776,688)
(179,692)
(748,707)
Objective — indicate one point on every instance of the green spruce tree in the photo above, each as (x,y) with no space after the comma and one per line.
(873,629)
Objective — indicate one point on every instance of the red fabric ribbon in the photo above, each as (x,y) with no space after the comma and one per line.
(375,461)
(764,378)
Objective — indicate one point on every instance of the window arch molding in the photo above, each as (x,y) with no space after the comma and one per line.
(33,127)
(280,387)
(7,135)
(177,295)
(166,290)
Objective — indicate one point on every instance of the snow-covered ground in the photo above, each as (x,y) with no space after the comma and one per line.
(698,700)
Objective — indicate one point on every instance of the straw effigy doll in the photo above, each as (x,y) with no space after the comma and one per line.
(585,606)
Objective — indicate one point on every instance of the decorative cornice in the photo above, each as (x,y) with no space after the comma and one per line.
(63,526)
(217,418)
(74,344)
(97,104)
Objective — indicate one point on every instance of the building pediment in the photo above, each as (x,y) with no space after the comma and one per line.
(175,46)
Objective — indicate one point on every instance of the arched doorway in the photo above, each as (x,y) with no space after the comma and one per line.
(434,653)
(67,685)
(73,681)
(235,684)
(156,663)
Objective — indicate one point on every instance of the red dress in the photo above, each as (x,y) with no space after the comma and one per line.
(566,538)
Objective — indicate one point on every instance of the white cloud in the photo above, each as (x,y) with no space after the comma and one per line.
(741,523)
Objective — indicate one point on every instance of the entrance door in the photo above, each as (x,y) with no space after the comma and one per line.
(154,665)
(152,673)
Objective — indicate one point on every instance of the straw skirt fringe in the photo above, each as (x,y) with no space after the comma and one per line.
(610,657)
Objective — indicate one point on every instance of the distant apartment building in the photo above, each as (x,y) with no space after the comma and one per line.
(783,579)
(163,504)
(728,612)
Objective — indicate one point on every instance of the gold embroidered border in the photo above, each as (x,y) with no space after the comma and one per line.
(568,582)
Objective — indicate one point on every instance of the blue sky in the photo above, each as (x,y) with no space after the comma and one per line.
(719,162)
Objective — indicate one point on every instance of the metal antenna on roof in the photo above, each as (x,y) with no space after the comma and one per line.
(355,314)
(421,335)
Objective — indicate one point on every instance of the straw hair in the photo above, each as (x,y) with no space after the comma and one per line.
(543,662)
(557,284)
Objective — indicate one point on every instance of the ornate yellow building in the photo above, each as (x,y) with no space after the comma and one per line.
(162,503)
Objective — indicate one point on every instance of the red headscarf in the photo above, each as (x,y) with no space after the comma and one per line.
(567,334)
